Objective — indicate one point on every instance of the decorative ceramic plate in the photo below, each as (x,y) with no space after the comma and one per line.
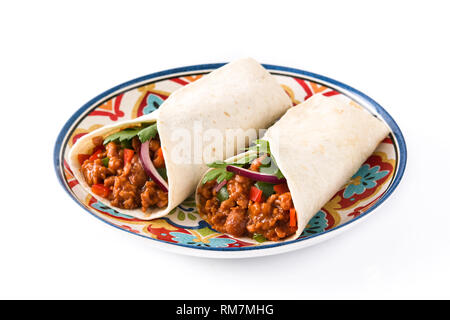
(183,230)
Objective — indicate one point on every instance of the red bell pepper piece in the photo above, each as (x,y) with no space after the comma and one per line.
(255,194)
(100,190)
(82,158)
(281,188)
(96,154)
(128,155)
(292,217)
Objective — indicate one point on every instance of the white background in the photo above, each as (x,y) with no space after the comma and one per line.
(56,56)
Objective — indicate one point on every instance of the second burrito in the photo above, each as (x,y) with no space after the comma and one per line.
(272,191)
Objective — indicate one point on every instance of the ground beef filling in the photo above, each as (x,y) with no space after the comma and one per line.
(125,184)
(240,216)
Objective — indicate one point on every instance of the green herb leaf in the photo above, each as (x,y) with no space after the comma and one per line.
(220,173)
(278,173)
(126,134)
(211,175)
(162,172)
(268,164)
(272,170)
(259,237)
(144,133)
(223,195)
(218,164)
(238,163)
(126,144)
(148,133)
(260,146)
(266,188)
(105,161)
(270,167)
(245,160)
(225,175)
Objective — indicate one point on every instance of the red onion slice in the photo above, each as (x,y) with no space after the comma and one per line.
(254,175)
(219,186)
(144,156)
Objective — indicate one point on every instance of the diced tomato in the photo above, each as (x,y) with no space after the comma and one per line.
(100,147)
(82,158)
(292,217)
(128,155)
(158,160)
(281,188)
(255,194)
(100,190)
(96,154)
(160,153)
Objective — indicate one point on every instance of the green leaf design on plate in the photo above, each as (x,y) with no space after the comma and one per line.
(205,231)
(189,203)
(192,217)
(181,216)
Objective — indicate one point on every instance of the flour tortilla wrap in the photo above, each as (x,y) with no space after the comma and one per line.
(318,145)
(240,95)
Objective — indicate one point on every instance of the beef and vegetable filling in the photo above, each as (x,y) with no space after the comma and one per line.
(128,169)
(249,197)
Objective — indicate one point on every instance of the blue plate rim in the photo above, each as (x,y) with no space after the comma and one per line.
(341,87)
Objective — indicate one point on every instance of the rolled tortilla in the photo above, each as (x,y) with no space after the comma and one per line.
(241,95)
(318,145)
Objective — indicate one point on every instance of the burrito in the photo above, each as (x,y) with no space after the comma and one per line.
(271,191)
(147,166)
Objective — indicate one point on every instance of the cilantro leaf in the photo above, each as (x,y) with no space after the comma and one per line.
(126,134)
(220,173)
(162,172)
(260,146)
(239,163)
(105,161)
(224,175)
(211,175)
(223,194)
(259,237)
(245,160)
(266,188)
(144,133)
(271,167)
(126,144)
(218,164)
(278,173)
(148,133)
